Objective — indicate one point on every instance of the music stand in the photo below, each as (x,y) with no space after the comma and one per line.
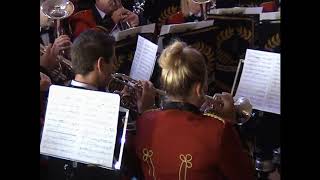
(236,79)
(74,142)
(263,142)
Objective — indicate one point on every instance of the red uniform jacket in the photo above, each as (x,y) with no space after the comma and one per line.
(88,19)
(176,18)
(269,6)
(81,21)
(180,145)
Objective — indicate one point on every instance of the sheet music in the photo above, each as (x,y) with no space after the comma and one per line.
(80,125)
(253,10)
(176,28)
(237,10)
(270,16)
(260,80)
(133,31)
(144,59)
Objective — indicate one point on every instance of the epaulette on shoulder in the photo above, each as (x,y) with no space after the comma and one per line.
(101,28)
(151,110)
(214,116)
(81,13)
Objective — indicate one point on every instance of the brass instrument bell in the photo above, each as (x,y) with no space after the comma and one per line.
(242,105)
(57,10)
(244,110)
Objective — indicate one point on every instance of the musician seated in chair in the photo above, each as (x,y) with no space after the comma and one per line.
(92,55)
(105,14)
(178,141)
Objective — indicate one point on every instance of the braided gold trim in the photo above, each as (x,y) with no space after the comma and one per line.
(186,161)
(147,155)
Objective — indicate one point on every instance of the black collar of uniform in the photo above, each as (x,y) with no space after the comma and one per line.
(105,22)
(96,14)
(181,106)
(193,18)
(46,30)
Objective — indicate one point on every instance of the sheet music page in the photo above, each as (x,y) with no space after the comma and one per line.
(133,31)
(270,16)
(221,11)
(176,28)
(80,125)
(253,10)
(260,80)
(144,59)
(237,10)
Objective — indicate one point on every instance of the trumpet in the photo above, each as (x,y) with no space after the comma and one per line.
(60,58)
(242,105)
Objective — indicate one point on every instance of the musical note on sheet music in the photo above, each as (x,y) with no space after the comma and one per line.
(144,59)
(260,80)
(80,125)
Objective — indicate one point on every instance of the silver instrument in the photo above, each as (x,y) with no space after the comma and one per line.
(57,10)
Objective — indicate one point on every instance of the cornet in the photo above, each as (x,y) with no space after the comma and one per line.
(242,105)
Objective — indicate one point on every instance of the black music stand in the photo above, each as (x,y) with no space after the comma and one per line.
(254,131)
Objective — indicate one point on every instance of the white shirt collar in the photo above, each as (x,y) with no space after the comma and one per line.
(102,14)
(198,14)
(83,85)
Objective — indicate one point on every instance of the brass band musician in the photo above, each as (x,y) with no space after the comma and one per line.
(104,13)
(92,55)
(178,141)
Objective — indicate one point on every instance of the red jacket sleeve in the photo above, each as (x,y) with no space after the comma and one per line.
(233,161)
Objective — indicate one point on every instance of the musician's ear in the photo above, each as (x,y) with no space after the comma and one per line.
(199,89)
(100,64)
